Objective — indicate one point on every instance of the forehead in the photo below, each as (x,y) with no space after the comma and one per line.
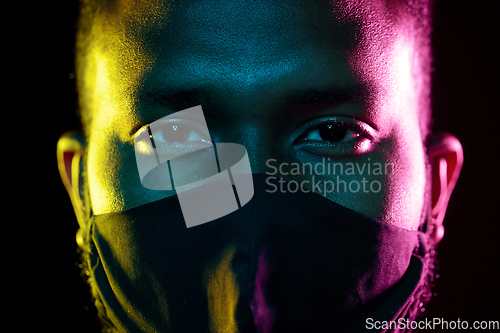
(230,48)
(142,13)
(250,30)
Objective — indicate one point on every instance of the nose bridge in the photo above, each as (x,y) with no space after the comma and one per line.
(259,151)
(257,138)
(249,117)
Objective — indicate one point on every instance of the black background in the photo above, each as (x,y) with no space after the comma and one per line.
(466,103)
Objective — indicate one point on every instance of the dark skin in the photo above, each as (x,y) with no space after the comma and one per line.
(269,77)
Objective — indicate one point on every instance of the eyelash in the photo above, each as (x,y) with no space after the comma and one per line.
(362,138)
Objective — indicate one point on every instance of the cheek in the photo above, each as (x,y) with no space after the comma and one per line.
(113,178)
(395,107)
(112,175)
(105,173)
(405,186)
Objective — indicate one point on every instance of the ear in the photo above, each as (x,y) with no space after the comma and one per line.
(446,158)
(70,152)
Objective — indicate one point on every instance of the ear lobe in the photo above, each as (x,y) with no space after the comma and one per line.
(446,158)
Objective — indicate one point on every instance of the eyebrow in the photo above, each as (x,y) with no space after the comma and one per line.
(184,98)
(176,99)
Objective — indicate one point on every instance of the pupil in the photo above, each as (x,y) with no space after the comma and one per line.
(333,132)
(175,133)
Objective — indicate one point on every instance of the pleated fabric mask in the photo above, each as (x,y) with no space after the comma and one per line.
(284,262)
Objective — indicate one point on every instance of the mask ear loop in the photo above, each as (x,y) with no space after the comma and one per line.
(425,247)
(85,240)
(95,274)
(84,213)
(422,293)
(425,252)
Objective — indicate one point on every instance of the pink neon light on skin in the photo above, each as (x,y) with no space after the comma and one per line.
(263,314)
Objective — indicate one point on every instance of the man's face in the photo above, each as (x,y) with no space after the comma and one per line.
(272,76)
(326,95)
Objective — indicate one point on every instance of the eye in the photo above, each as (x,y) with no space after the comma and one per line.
(337,136)
(173,132)
(171,138)
(334,132)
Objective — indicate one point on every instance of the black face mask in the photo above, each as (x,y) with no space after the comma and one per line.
(284,262)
